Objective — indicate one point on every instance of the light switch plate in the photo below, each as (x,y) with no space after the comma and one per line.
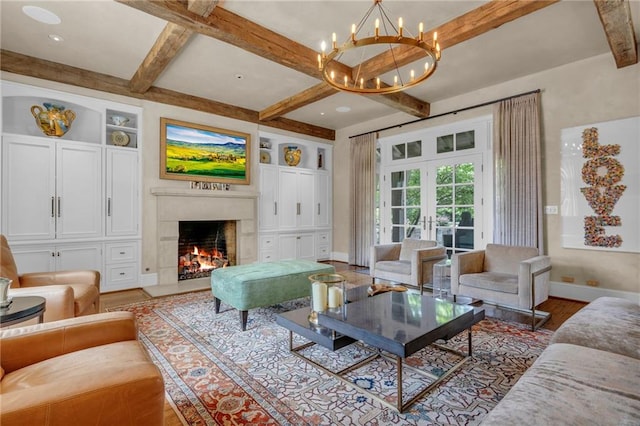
(551,209)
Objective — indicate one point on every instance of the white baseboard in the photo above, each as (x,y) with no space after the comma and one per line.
(147,280)
(340,257)
(587,293)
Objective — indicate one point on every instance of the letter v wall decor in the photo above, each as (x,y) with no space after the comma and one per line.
(600,186)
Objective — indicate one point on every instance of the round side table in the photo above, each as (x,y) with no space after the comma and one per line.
(21,309)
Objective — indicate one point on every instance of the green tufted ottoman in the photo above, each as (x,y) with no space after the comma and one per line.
(256,285)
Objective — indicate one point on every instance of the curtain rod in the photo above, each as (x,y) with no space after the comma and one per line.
(446,113)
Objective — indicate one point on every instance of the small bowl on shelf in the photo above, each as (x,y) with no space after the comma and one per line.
(119,120)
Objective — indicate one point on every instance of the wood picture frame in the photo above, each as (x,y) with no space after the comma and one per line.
(196,152)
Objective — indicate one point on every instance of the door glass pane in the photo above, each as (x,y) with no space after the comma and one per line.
(444,175)
(397,216)
(444,144)
(413,216)
(398,152)
(443,195)
(397,197)
(397,179)
(464,194)
(414,149)
(397,234)
(465,140)
(464,228)
(413,178)
(464,173)
(413,197)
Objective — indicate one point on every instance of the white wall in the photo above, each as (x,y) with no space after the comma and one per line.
(584,92)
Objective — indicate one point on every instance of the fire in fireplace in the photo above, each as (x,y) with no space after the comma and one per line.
(204,246)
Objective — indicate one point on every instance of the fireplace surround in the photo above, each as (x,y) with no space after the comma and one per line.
(176,204)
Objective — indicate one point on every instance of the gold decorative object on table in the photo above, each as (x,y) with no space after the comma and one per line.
(327,292)
(55,120)
(292,155)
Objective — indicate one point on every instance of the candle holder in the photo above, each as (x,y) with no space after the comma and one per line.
(327,293)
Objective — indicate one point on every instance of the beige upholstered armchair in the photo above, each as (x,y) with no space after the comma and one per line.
(79,371)
(68,294)
(510,276)
(410,262)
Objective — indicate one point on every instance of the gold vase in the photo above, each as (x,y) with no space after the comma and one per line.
(292,155)
(54,120)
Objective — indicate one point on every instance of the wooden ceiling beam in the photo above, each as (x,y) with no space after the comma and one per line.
(306,97)
(170,41)
(615,16)
(39,68)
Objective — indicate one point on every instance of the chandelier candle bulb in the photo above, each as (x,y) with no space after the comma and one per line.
(319,61)
(377,82)
(333,75)
(377,32)
(399,27)
(413,75)
(353,32)
(361,83)
(334,41)
(421,31)
(346,81)
(395,80)
(435,39)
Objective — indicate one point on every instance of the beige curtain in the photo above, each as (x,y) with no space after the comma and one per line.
(517,159)
(362,185)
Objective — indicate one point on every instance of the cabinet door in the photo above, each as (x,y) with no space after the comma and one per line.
(306,247)
(287,247)
(28,189)
(306,209)
(79,195)
(34,258)
(323,205)
(79,256)
(122,192)
(288,199)
(268,198)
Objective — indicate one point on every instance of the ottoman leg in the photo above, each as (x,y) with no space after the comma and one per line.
(243,319)
(217,304)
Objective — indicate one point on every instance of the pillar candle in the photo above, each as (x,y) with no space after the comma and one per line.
(335,296)
(319,296)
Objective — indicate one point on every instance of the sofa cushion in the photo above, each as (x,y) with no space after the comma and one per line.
(608,323)
(506,259)
(109,384)
(410,244)
(394,266)
(573,385)
(494,281)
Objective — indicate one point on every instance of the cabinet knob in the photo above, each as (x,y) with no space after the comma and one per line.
(121,273)
(121,252)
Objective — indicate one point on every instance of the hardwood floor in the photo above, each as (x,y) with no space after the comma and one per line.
(560,309)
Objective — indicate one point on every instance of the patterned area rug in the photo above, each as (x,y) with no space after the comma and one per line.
(217,375)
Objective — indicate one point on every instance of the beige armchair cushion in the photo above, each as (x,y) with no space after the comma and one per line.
(409,245)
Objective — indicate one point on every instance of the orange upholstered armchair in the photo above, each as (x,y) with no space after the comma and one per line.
(90,370)
(68,293)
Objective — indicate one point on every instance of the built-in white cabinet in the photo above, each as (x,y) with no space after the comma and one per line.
(296,246)
(122,192)
(296,195)
(295,199)
(51,189)
(71,201)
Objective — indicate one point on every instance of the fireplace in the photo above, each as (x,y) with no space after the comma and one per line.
(204,246)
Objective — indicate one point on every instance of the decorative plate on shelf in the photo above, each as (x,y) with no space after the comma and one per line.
(265,157)
(120,138)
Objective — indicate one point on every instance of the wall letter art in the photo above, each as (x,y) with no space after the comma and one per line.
(601,186)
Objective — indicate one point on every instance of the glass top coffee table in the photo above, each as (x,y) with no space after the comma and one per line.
(396,324)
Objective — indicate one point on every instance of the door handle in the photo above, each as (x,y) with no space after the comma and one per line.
(109,206)
(59,207)
(275,207)
(53,206)
(318,209)
(298,208)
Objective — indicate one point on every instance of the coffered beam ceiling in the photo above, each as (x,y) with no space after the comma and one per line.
(39,68)
(615,16)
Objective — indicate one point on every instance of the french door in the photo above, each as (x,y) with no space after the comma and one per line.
(435,200)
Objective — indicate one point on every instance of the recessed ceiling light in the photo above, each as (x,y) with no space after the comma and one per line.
(41,15)
(343,109)
(239,76)
(322,113)
(56,38)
